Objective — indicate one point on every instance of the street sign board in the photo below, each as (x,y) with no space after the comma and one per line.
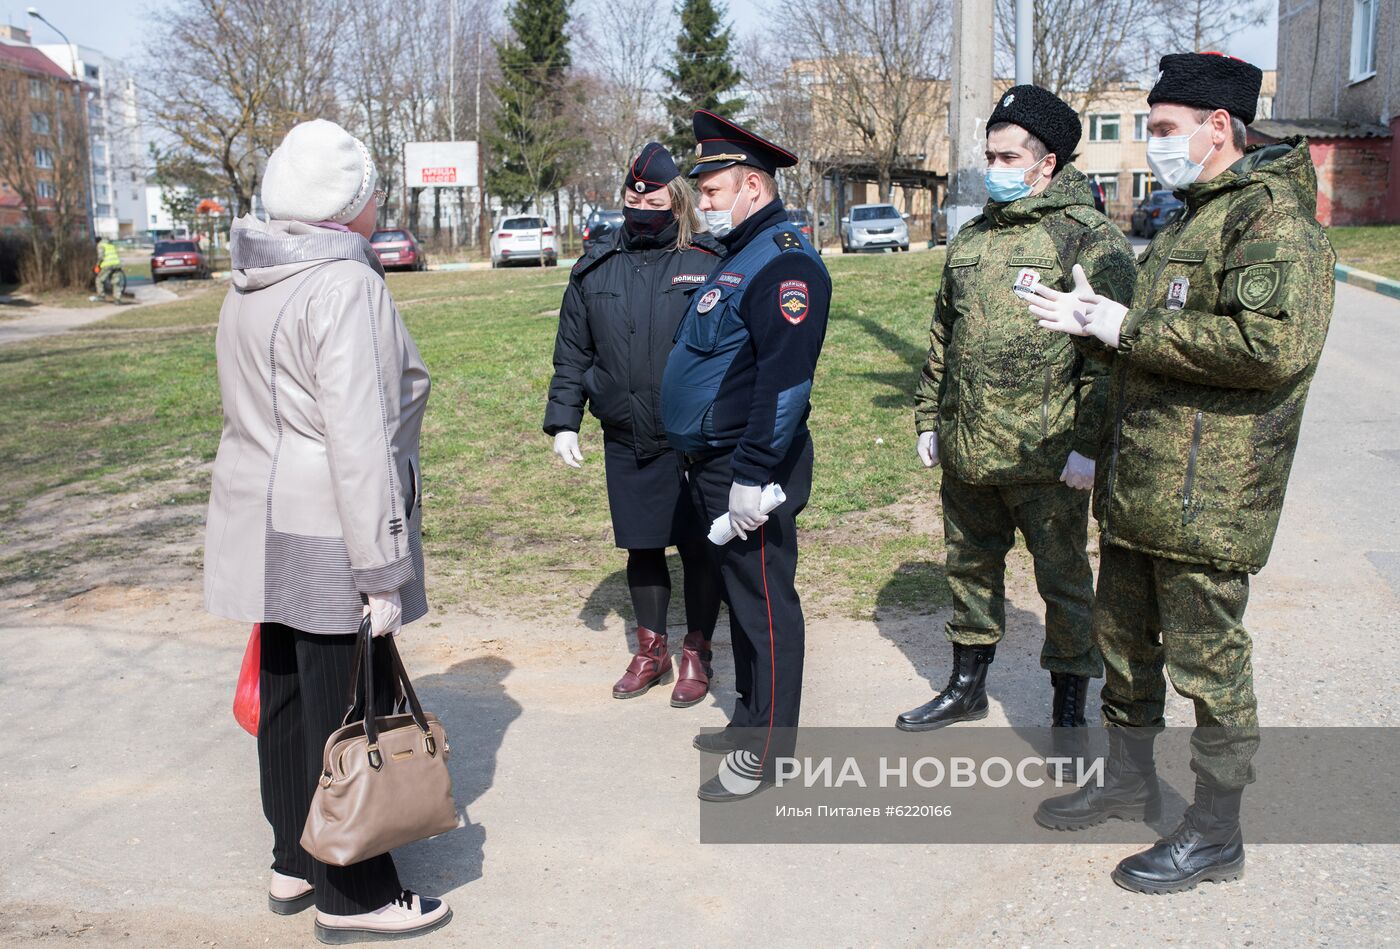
(440,164)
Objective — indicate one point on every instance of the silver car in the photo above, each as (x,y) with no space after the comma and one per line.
(874,227)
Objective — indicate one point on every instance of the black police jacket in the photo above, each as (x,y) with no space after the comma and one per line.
(619,316)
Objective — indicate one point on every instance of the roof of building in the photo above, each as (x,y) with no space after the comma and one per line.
(30,60)
(1318,128)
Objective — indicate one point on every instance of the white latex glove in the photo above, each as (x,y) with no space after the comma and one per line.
(1092,314)
(385,612)
(1079,472)
(744,515)
(1063,312)
(566,447)
(928,449)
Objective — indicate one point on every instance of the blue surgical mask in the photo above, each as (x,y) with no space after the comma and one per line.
(1008,184)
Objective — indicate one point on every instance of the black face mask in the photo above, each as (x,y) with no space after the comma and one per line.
(647,222)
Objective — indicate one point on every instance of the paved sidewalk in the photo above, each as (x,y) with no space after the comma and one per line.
(42,321)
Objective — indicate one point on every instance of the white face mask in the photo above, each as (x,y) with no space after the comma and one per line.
(1169,157)
(720,223)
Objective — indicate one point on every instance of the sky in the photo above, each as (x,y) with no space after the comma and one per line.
(119,27)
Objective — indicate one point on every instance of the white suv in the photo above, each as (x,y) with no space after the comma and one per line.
(524,238)
(873,227)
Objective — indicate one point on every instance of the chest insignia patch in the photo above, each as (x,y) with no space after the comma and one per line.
(793,300)
(731,279)
(1176,293)
(708,301)
(1026,282)
(688,278)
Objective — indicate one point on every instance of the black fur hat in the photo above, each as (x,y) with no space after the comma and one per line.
(1043,114)
(1209,81)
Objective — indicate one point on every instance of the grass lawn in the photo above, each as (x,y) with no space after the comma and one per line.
(134,399)
(1375,248)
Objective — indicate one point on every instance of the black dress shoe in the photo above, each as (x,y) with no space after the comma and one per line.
(964,699)
(741,774)
(714,791)
(1129,790)
(1208,847)
(718,743)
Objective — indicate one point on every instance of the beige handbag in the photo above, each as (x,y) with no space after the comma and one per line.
(384,780)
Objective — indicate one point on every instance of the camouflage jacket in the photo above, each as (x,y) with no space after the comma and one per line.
(1009,400)
(1218,349)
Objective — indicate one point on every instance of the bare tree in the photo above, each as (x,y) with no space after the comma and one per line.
(873,68)
(1185,26)
(780,103)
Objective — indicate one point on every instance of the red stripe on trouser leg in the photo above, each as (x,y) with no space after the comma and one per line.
(772,659)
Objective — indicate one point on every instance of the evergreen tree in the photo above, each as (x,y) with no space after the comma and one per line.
(704,71)
(533,138)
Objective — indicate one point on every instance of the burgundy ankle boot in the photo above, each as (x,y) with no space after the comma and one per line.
(693,683)
(649,666)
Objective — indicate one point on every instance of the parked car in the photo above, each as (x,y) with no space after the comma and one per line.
(178,259)
(803,219)
(1156,211)
(524,238)
(600,226)
(874,227)
(398,249)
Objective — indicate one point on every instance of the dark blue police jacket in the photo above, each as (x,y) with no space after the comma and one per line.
(741,372)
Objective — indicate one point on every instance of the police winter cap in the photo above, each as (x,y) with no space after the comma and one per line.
(1043,114)
(1209,81)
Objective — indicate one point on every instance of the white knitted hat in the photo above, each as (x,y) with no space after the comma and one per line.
(320,172)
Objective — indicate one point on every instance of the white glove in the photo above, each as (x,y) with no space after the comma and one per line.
(744,513)
(385,612)
(566,447)
(928,449)
(1079,472)
(1081,312)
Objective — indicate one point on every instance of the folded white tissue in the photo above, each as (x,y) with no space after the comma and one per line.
(722,532)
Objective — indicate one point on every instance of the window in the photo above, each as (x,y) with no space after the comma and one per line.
(1108,181)
(875,212)
(91,71)
(174,247)
(43,158)
(47,190)
(1139,126)
(38,89)
(1103,128)
(1363,39)
(39,123)
(1142,184)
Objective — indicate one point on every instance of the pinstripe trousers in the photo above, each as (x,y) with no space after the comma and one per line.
(303,693)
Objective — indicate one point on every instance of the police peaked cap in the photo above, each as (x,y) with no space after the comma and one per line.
(719,143)
(1209,81)
(653,168)
(1043,114)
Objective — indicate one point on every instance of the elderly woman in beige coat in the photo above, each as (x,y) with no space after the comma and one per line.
(315,512)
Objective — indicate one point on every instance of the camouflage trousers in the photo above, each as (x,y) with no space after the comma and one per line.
(1153,614)
(979,528)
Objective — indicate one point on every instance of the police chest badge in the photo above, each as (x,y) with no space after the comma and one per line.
(793,300)
(708,301)
(1258,284)
(1176,293)
(1026,282)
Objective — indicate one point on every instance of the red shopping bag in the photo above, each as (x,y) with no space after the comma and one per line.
(245,697)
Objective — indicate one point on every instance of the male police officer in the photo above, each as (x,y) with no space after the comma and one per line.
(1214,358)
(734,400)
(1014,416)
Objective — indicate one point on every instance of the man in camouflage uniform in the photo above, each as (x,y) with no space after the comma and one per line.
(1213,361)
(1013,414)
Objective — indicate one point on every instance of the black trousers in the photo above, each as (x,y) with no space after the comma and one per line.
(767,631)
(302,698)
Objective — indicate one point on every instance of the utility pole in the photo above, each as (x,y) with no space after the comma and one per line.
(483,223)
(969,108)
(1025,42)
(452,96)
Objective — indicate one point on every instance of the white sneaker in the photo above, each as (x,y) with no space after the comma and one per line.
(288,895)
(407,916)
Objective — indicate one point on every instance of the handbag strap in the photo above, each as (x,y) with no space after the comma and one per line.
(363,668)
(353,686)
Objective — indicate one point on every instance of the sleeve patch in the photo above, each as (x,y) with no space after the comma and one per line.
(1259,284)
(793,300)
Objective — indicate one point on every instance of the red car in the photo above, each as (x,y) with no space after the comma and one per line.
(178,259)
(398,249)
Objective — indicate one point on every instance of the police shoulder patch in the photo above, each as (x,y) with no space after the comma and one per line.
(1258,284)
(793,300)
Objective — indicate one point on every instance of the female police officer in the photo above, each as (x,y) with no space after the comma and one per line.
(624,301)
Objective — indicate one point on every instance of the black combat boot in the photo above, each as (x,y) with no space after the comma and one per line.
(1069,738)
(964,699)
(1208,846)
(1129,790)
